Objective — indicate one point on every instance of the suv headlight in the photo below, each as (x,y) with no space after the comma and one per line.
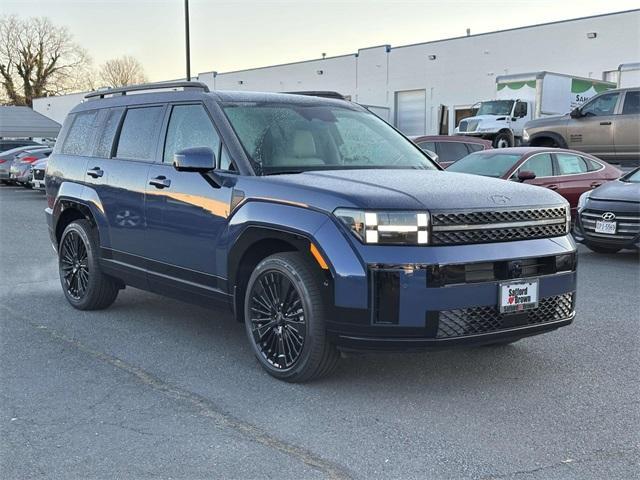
(582,201)
(387,227)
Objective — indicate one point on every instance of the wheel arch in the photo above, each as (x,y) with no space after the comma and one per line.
(70,210)
(539,139)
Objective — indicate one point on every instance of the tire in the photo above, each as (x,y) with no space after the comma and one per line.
(502,140)
(83,283)
(600,249)
(283,300)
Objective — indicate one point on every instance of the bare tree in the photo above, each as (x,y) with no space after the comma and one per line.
(38,58)
(123,71)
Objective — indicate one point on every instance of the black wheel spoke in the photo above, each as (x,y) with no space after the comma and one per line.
(277,319)
(74,265)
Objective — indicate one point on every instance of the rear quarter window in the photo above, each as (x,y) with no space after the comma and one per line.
(108,132)
(79,139)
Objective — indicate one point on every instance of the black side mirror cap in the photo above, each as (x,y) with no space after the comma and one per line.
(575,113)
(526,175)
(194,159)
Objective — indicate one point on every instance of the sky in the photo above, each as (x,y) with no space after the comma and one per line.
(228,36)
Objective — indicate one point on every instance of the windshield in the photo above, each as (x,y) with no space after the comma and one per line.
(287,138)
(489,165)
(633,177)
(496,107)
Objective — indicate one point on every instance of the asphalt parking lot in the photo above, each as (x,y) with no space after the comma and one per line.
(155,388)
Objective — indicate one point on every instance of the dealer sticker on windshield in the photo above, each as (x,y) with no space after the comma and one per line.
(518,296)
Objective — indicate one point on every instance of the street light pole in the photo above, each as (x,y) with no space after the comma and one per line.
(186,34)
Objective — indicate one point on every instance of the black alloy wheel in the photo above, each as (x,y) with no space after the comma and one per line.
(74,265)
(277,319)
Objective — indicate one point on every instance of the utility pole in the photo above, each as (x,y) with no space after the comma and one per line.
(186,35)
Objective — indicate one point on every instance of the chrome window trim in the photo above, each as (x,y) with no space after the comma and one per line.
(515,173)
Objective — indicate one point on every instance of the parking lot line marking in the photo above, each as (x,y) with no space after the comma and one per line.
(204,406)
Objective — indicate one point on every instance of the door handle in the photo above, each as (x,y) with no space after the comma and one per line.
(605,123)
(95,172)
(552,187)
(160,182)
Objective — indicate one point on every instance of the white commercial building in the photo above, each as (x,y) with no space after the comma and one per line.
(427,87)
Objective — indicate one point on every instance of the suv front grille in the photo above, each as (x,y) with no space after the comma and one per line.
(477,320)
(627,225)
(454,228)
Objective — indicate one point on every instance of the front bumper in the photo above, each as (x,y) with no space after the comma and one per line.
(627,220)
(414,305)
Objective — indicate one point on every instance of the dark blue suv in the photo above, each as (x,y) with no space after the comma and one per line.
(317,223)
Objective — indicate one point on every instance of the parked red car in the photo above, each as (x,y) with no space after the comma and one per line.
(568,172)
(451,148)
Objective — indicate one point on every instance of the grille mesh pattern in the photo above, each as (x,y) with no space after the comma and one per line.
(475,320)
(498,234)
(497,216)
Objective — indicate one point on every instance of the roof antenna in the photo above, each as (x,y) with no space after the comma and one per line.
(468,32)
(324,55)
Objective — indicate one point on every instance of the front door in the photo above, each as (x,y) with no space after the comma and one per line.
(185,211)
(626,132)
(593,131)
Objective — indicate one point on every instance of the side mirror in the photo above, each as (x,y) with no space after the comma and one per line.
(526,175)
(194,159)
(432,155)
(520,110)
(576,113)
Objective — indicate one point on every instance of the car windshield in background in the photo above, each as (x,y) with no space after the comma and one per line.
(286,138)
(488,165)
(633,177)
(496,107)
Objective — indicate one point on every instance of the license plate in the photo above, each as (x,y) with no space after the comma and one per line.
(602,226)
(518,296)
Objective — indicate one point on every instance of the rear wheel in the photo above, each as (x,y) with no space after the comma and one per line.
(284,319)
(83,282)
(601,249)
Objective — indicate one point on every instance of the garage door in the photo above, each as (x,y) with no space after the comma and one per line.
(411,112)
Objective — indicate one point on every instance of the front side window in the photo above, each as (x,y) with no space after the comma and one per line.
(631,103)
(486,164)
(540,164)
(189,126)
(138,134)
(601,106)
(452,151)
(570,164)
(298,137)
(430,146)
(78,140)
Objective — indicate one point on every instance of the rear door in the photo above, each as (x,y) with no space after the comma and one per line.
(626,131)
(186,215)
(125,148)
(593,131)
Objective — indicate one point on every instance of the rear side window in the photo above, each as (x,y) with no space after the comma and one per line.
(631,103)
(189,126)
(452,151)
(570,164)
(108,133)
(138,134)
(78,140)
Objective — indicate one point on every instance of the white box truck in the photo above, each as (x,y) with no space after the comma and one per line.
(526,96)
(629,75)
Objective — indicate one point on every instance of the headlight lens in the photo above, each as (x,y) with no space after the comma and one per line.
(525,136)
(387,228)
(582,201)
(567,212)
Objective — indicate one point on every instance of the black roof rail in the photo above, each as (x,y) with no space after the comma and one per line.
(147,86)
(324,94)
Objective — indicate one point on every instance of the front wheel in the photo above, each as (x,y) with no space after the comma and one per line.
(284,319)
(83,282)
(502,140)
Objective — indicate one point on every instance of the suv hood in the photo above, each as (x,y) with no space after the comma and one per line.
(553,120)
(407,189)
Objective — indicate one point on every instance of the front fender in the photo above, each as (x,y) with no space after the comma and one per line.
(273,219)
